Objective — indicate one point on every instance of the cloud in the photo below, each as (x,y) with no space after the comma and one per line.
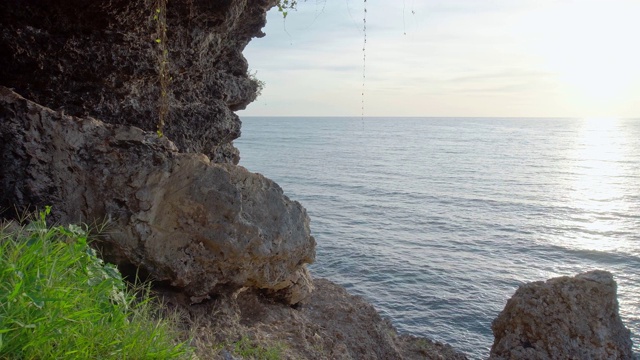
(454,52)
(503,75)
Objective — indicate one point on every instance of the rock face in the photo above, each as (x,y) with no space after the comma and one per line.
(173,213)
(101,59)
(563,318)
(192,224)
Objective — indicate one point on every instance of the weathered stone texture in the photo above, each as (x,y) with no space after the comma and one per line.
(563,318)
(331,324)
(100,59)
(191,223)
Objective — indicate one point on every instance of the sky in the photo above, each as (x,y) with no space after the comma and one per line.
(450,58)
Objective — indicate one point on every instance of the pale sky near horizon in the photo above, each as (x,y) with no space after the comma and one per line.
(477,58)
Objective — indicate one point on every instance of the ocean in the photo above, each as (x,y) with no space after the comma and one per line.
(437,221)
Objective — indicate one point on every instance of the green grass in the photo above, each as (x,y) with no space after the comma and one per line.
(59,301)
(245,348)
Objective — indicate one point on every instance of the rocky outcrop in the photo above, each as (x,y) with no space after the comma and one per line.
(188,222)
(563,318)
(174,214)
(101,59)
(330,324)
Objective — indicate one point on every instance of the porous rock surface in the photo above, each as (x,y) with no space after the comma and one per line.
(193,224)
(330,324)
(563,318)
(101,59)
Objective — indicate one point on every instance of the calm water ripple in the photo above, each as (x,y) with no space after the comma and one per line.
(437,221)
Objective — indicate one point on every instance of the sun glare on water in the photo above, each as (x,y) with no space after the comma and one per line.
(596,191)
(598,154)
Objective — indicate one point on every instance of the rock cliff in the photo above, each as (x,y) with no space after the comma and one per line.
(101,59)
(87,146)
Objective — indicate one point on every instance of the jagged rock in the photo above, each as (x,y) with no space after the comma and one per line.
(193,224)
(100,59)
(563,318)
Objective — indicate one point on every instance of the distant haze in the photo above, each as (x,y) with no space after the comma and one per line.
(493,58)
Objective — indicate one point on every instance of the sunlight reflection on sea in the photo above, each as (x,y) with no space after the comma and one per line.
(437,220)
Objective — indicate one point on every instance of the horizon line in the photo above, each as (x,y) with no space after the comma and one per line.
(446,117)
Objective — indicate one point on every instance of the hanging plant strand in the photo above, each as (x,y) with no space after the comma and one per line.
(160,17)
(364,58)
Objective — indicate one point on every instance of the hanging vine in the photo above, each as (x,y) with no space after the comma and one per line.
(285,5)
(364,58)
(160,17)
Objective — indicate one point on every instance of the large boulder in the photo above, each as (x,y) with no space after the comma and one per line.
(190,223)
(563,318)
(101,59)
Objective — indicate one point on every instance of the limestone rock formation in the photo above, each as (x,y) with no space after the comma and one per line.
(191,223)
(101,59)
(563,318)
(173,213)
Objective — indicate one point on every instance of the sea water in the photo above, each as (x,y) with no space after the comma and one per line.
(437,221)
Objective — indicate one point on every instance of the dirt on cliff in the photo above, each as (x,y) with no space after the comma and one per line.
(331,324)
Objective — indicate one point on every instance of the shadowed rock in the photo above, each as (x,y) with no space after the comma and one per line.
(193,224)
(563,318)
(100,59)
